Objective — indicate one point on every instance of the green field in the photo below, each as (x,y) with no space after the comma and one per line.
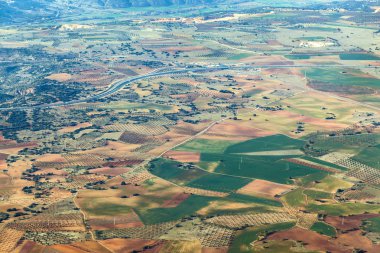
(231,158)
(312,38)
(268,143)
(272,168)
(324,229)
(252,199)
(215,182)
(309,179)
(236,159)
(239,56)
(204,145)
(104,208)
(171,170)
(311,194)
(372,225)
(188,207)
(295,198)
(243,239)
(369,156)
(298,56)
(343,208)
(342,77)
(359,57)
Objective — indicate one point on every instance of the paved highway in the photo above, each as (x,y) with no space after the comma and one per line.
(115,87)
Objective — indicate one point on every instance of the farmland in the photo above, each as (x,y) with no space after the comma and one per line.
(189,126)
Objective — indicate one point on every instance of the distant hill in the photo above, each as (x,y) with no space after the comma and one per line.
(12,11)
(146,3)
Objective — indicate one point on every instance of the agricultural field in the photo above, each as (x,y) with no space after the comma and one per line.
(189,126)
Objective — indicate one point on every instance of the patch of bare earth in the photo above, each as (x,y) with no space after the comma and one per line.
(348,222)
(214,250)
(312,240)
(176,200)
(130,245)
(60,77)
(183,156)
(108,171)
(229,130)
(263,187)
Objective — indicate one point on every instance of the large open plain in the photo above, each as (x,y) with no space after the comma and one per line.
(204,126)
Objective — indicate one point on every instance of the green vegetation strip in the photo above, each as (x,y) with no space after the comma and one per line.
(222,183)
(295,198)
(324,229)
(188,207)
(372,225)
(343,208)
(369,156)
(317,194)
(342,77)
(243,240)
(174,171)
(359,57)
(203,145)
(252,199)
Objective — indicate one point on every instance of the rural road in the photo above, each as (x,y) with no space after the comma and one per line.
(117,86)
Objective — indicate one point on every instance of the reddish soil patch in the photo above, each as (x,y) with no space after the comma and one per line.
(344,243)
(79,247)
(263,187)
(214,250)
(3,156)
(3,165)
(27,247)
(311,165)
(348,222)
(184,156)
(53,158)
(176,200)
(129,245)
(45,171)
(130,220)
(184,128)
(10,144)
(233,130)
(60,77)
(3,162)
(324,124)
(357,240)
(97,224)
(313,240)
(73,128)
(110,171)
(286,71)
(274,43)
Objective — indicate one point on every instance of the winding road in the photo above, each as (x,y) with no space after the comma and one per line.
(115,87)
(118,85)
